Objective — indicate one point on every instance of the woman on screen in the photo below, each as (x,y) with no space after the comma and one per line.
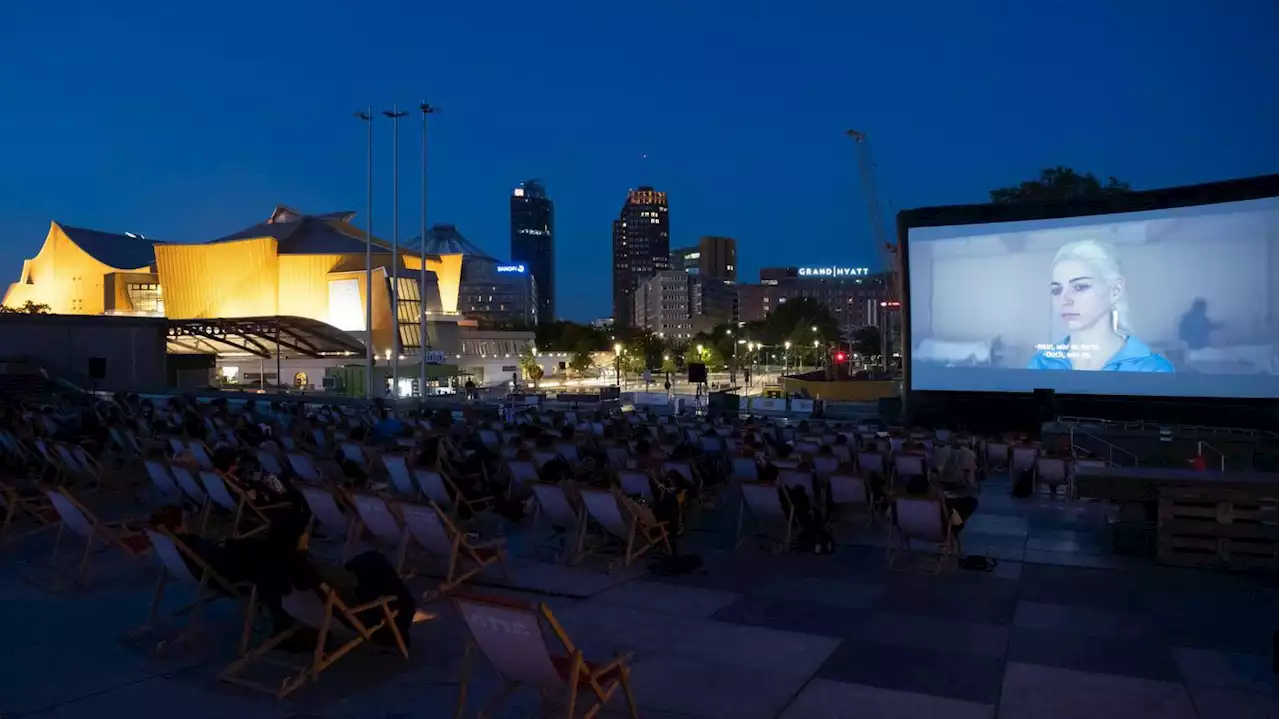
(1088,293)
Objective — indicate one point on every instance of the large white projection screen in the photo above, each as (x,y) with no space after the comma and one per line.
(1173,303)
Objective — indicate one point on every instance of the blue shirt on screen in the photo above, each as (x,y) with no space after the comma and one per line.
(1134,356)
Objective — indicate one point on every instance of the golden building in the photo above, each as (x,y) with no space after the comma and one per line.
(291,265)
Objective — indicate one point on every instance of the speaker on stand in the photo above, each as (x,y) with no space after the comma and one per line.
(698,378)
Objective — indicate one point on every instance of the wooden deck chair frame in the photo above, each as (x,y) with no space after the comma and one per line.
(207,577)
(14,505)
(642,530)
(321,658)
(744,508)
(119,535)
(481,555)
(900,540)
(242,502)
(602,681)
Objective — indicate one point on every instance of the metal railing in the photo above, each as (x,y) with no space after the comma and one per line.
(1114,453)
(1201,446)
(1157,426)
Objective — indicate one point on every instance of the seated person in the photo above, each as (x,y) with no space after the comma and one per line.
(958,509)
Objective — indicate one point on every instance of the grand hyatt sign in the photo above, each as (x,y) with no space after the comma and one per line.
(833,272)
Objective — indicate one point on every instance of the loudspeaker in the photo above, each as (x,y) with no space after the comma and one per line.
(697,372)
(97,368)
(1046,405)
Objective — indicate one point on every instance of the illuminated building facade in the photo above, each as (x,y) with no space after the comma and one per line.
(852,294)
(291,265)
(641,248)
(678,305)
(533,243)
(492,293)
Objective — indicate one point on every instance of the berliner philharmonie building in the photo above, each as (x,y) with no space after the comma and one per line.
(283,302)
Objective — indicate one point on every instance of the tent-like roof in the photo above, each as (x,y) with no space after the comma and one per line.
(446,240)
(262,337)
(118,251)
(300,234)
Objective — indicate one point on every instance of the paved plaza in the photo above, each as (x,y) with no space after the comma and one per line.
(1059,630)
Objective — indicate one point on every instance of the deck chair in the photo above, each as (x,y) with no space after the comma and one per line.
(763,501)
(176,566)
(871,463)
(17,504)
(376,516)
(825,466)
(744,468)
(623,519)
(322,610)
(440,488)
(304,468)
(923,519)
(997,456)
(188,481)
(1024,457)
(851,496)
(906,466)
(1051,471)
(81,522)
(398,472)
(799,478)
(618,457)
(163,481)
(326,512)
(431,529)
(270,462)
(234,500)
(553,507)
(522,472)
(512,636)
(635,483)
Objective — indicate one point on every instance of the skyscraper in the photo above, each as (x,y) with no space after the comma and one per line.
(533,241)
(718,257)
(641,248)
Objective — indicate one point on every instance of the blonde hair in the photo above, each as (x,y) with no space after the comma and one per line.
(1102,255)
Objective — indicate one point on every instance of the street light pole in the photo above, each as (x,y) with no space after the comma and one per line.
(367,117)
(422,278)
(395,114)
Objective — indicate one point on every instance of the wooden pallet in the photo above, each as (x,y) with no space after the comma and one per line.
(1213,528)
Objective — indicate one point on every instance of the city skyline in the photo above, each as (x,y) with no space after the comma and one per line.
(748,145)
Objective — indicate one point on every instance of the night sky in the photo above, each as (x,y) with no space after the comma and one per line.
(187,126)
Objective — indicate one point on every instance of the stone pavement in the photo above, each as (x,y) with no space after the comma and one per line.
(1060,630)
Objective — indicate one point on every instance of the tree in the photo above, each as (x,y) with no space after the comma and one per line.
(27,308)
(582,362)
(529,366)
(565,336)
(800,321)
(866,341)
(1056,184)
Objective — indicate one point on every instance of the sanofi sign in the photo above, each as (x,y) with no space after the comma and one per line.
(833,272)
(511,269)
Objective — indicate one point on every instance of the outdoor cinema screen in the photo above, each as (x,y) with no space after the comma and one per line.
(1178,302)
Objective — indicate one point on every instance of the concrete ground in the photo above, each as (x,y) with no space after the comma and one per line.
(1059,630)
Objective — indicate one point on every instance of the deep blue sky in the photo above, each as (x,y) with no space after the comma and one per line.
(185,126)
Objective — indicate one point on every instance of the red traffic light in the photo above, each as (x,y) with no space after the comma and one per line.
(840,358)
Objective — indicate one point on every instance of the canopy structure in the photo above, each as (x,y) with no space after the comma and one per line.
(264,337)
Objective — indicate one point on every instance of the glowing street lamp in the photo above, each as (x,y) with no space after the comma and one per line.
(617,365)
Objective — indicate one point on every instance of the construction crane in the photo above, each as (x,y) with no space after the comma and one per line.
(887,243)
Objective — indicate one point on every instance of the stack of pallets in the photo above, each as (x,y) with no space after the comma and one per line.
(1217,528)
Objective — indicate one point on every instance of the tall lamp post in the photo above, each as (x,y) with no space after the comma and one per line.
(617,365)
(395,114)
(786,357)
(422,277)
(367,117)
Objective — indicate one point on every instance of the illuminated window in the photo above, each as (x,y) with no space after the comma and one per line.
(146,297)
